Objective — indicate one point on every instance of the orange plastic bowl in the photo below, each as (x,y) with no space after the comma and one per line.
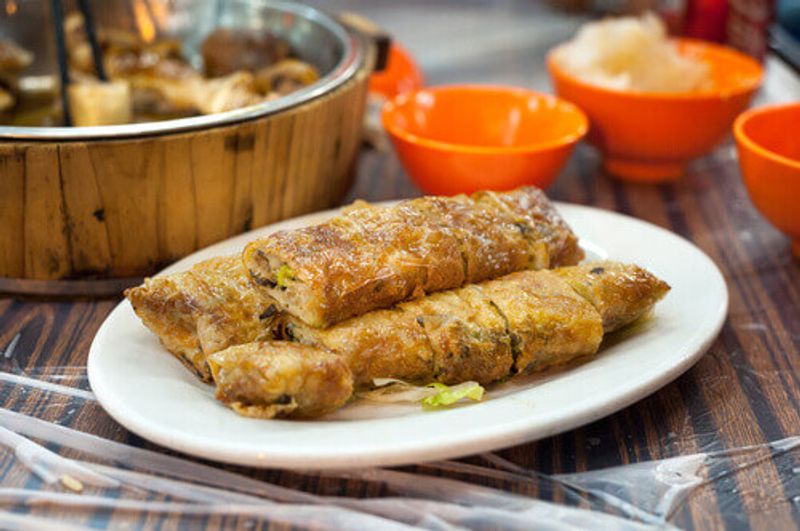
(401,74)
(459,139)
(769,155)
(649,136)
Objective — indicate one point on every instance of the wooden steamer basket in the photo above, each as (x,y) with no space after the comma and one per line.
(90,210)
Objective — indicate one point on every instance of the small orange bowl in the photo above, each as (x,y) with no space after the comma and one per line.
(650,136)
(459,139)
(769,155)
(401,74)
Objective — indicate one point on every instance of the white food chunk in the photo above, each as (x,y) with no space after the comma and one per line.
(100,103)
(631,53)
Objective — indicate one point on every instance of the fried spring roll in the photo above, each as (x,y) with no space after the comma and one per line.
(208,308)
(540,223)
(548,323)
(618,293)
(468,337)
(373,257)
(523,322)
(277,378)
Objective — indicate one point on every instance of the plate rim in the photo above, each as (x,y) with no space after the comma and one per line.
(501,436)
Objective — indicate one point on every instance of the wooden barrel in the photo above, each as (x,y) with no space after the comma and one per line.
(90,217)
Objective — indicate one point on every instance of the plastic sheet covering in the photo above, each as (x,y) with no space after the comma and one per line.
(56,471)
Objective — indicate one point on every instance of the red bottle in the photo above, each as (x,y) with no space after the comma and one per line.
(742,24)
(706,19)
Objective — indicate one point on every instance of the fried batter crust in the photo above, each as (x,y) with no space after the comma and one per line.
(203,310)
(523,322)
(277,378)
(372,257)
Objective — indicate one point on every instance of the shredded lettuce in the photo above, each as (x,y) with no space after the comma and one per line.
(446,396)
(432,396)
(285,273)
(383,382)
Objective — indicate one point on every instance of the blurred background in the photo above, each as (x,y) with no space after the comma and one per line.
(507,30)
(506,40)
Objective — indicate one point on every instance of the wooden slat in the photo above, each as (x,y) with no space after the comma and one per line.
(213,166)
(47,253)
(277,163)
(263,183)
(177,205)
(12,212)
(243,199)
(129,183)
(85,211)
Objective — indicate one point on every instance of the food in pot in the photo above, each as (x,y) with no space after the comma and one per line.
(98,103)
(155,80)
(13,60)
(285,76)
(226,51)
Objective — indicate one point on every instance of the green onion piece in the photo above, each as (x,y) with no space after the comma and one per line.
(285,273)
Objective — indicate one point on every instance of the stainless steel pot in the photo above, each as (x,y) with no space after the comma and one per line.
(315,38)
(88,210)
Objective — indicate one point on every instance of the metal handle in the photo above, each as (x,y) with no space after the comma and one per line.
(367,28)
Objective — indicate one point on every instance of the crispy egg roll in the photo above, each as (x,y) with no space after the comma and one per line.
(621,294)
(372,257)
(467,336)
(378,343)
(523,322)
(205,309)
(278,378)
(539,222)
(548,323)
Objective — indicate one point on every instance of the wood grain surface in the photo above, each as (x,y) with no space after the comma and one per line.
(68,207)
(744,391)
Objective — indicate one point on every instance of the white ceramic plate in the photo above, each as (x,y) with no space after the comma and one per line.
(152,394)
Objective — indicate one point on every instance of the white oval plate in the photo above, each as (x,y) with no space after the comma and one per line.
(149,392)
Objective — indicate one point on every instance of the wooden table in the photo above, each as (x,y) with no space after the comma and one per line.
(745,391)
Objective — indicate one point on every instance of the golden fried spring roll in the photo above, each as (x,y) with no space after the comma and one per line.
(208,308)
(548,322)
(407,243)
(539,222)
(373,345)
(524,322)
(468,337)
(277,378)
(373,257)
(491,244)
(620,293)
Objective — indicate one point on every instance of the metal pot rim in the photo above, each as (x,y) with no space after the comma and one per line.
(345,69)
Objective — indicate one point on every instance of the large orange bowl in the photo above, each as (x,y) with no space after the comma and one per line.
(459,139)
(769,154)
(650,136)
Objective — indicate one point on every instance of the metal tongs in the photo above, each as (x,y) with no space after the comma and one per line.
(61,50)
